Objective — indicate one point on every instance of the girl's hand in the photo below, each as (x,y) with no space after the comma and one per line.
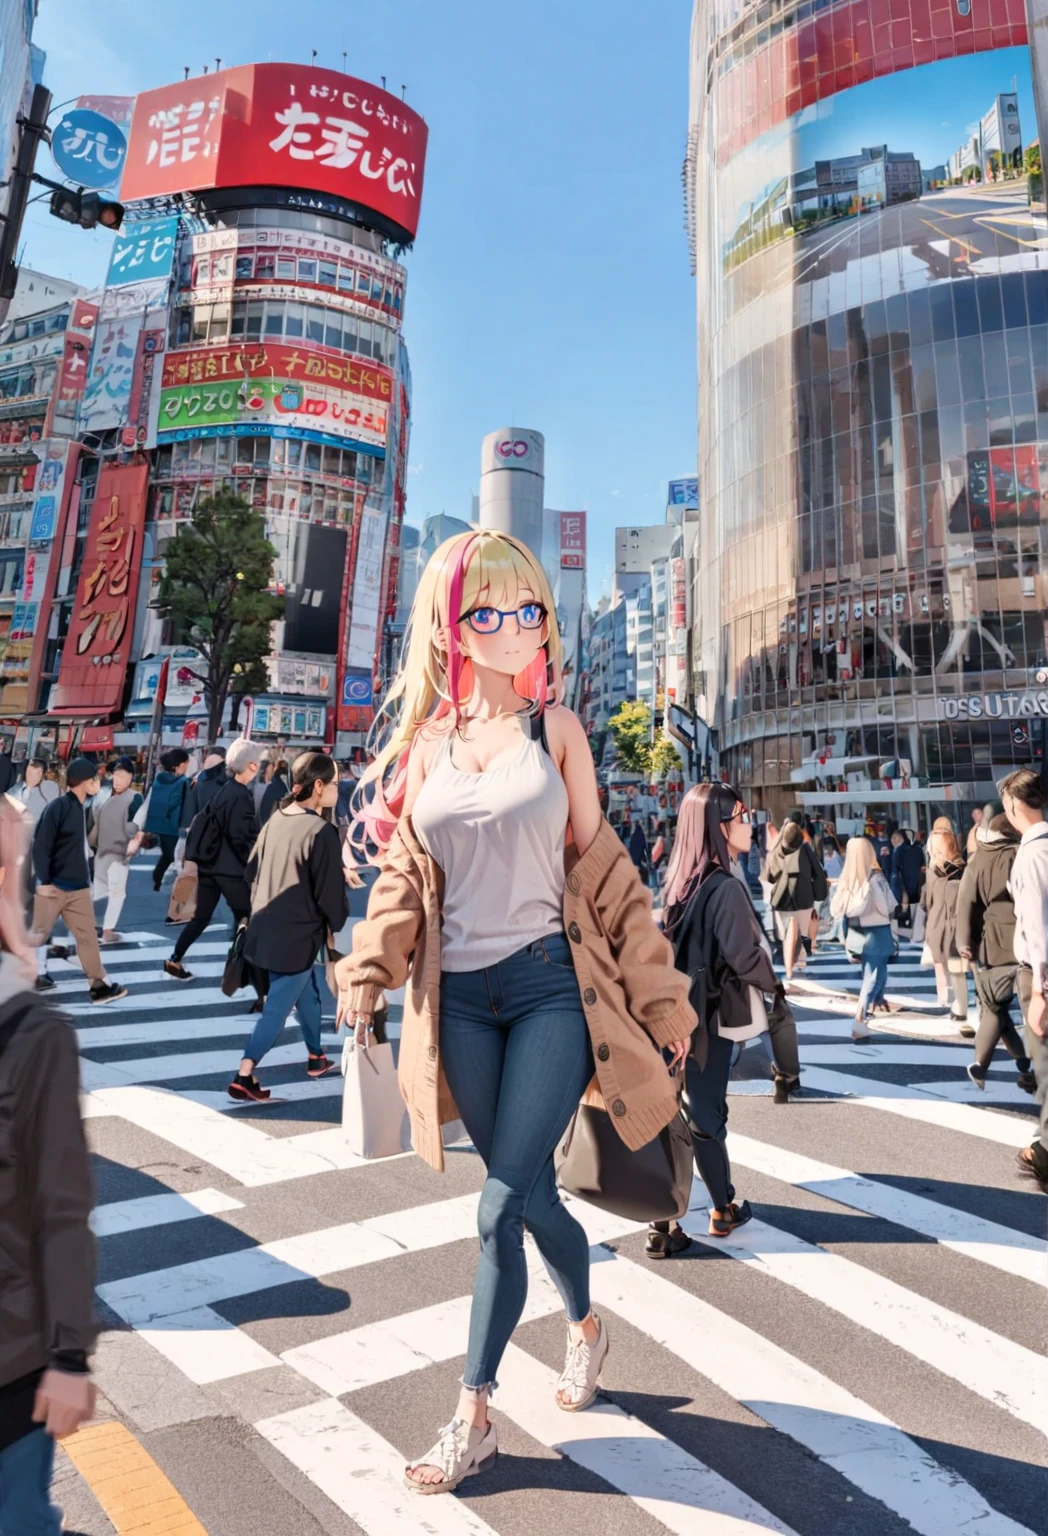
(678,1050)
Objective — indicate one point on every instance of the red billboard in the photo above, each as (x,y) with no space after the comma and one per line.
(280,125)
(97,648)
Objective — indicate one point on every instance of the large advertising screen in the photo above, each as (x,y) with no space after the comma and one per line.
(909,180)
(282,391)
(280,125)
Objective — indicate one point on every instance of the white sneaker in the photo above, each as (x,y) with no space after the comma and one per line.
(581,1375)
(461,1452)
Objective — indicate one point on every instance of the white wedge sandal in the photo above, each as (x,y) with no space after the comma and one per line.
(461,1452)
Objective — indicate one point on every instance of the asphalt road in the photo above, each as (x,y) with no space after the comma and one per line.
(285,1325)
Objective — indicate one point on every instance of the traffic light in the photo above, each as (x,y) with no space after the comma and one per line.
(87,209)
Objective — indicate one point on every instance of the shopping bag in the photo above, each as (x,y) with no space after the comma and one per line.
(374,1117)
(917,931)
(182,905)
(927,958)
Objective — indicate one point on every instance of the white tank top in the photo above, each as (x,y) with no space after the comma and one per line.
(499,838)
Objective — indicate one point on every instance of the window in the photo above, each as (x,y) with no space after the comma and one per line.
(286,269)
(364,339)
(245,267)
(253,329)
(333,329)
(346,277)
(307,269)
(265,266)
(274,325)
(201,321)
(312,457)
(295,320)
(219,328)
(238,321)
(328,274)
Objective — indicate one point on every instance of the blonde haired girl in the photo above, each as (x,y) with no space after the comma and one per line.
(863,899)
(527,966)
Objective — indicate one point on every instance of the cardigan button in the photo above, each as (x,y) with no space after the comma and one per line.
(574,883)
(589,997)
(603,1052)
(618,1108)
(575,933)
(432,1053)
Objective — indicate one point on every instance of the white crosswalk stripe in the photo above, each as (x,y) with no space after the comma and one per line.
(272,1207)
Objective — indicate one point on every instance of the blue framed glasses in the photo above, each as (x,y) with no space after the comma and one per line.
(488,621)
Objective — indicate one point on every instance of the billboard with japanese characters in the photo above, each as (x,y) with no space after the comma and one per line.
(281,125)
(282,391)
(142,249)
(97,648)
(572,541)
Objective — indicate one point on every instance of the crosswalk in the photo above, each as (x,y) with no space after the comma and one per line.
(861,1358)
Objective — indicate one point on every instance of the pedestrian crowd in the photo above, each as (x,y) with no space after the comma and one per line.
(582,1040)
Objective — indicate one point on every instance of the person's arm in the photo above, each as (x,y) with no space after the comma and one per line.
(967,906)
(738,937)
(656,992)
(570,750)
(44,845)
(385,941)
(328,881)
(243,827)
(1035,931)
(60,1197)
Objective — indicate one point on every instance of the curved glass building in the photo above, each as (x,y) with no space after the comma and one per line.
(867,211)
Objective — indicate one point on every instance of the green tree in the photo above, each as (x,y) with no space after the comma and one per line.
(664,758)
(214,591)
(630,727)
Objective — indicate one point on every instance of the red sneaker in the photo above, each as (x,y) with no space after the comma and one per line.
(248,1088)
(319,1066)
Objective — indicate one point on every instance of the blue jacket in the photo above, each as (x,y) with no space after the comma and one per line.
(164,816)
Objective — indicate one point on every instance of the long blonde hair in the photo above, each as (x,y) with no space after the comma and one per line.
(433,683)
(860,865)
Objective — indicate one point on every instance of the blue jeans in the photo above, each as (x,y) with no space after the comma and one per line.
(876,952)
(25,1480)
(515,1049)
(288,990)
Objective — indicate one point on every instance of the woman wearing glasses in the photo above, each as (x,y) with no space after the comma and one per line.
(718,943)
(531,968)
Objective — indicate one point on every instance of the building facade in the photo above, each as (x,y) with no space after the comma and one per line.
(873,423)
(249,340)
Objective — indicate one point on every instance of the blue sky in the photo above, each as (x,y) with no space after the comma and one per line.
(549,285)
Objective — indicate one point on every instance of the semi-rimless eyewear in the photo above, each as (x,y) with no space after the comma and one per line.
(488,621)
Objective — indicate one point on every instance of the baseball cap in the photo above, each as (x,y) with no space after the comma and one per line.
(126,763)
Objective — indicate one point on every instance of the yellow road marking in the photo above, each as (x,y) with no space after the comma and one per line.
(1033,245)
(126,1481)
(945,233)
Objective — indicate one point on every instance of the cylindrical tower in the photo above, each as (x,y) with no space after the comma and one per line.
(513,483)
(868,232)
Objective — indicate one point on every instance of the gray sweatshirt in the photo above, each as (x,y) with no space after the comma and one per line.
(114,828)
(1029,890)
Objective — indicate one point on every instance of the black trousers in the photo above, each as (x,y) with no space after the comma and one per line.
(995,986)
(210,890)
(706,1112)
(168,843)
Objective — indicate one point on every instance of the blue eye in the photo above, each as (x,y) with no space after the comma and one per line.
(484,619)
(531,615)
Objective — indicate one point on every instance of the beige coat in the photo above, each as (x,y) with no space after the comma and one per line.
(634,999)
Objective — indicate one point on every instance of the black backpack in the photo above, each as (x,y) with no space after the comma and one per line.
(205,836)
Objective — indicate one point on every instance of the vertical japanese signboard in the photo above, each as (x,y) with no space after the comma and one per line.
(97,648)
(365,615)
(72,375)
(572,541)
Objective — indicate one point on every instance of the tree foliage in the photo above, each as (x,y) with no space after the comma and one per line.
(665,759)
(630,727)
(217,570)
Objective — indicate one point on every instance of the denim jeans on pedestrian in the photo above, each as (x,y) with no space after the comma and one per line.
(876,952)
(515,1049)
(288,990)
(25,1481)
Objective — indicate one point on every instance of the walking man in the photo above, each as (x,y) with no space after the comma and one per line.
(163,808)
(220,845)
(1023,797)
(63,889)
(115,839)
(45,1202)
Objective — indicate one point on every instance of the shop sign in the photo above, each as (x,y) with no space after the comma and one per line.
(994,706)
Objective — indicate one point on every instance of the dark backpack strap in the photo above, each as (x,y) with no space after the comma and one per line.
(536,728)
(12,1024)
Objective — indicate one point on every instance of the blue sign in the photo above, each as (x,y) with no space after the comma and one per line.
(357,688)
(684,493)
(88,148)
(45,516)
(143,251)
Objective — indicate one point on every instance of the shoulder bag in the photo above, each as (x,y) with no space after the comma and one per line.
(652,1184)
